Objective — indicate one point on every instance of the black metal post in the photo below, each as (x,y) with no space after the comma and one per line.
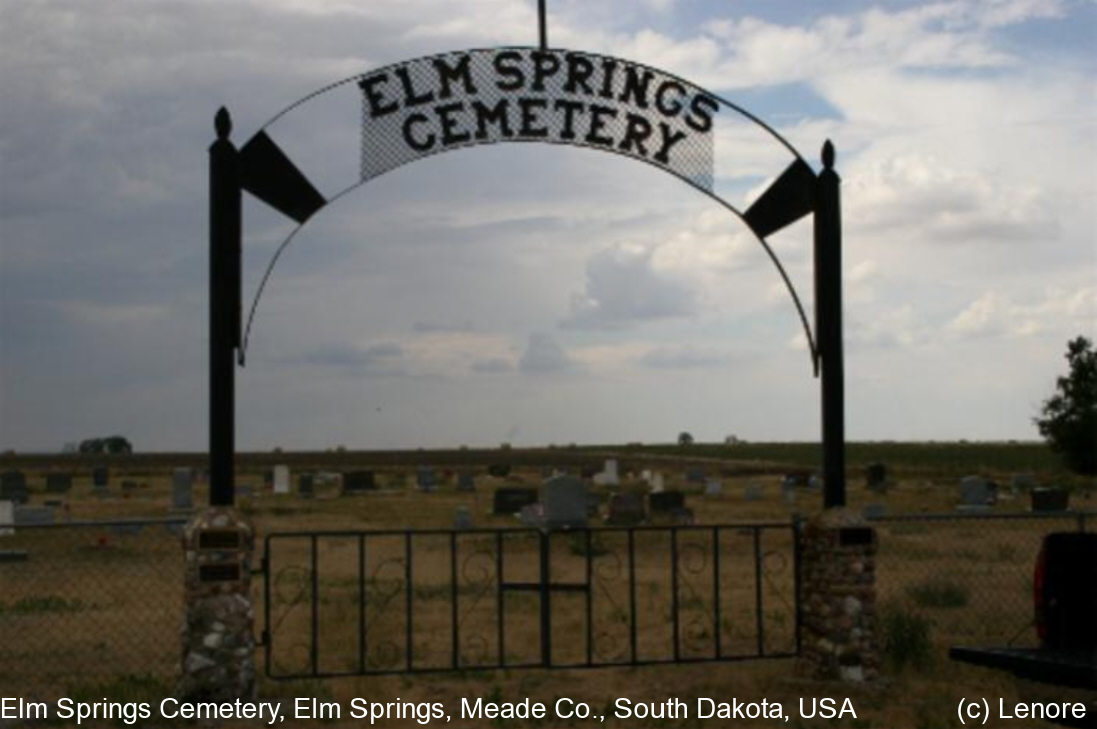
(224,322)
(542,23)
(828,328)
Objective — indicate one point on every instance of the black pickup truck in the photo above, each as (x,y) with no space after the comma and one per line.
(1064,666)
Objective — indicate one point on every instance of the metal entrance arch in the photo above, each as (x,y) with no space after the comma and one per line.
(425,106)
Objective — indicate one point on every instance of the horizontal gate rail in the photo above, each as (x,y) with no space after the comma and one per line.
(353,602)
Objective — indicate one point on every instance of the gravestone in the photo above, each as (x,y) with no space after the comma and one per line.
(532,515)
(281,479)
(355,482)
(181,495)
(466,481)
(626,509)
(13,487)
(657,483)
(58,483)
(244,491)
(462,518)
(306,488)
(753,492)
(7,516)
(876,475)
(1050,499)
(665,502)
(608,476)
(508,501)
(565,502)
(695,474)
(975,493)
(714,487)
(499,470)
(1023,482)
(425,479)
(33,515)
(815,482)
(100,477)
(682,517)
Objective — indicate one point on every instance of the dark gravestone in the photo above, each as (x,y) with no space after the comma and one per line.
(511,500)
(1050,499)
(358,481)
(306,486)
(499,470)
(426,479)
(13,487)
(100,477)
(58,483)
(32,515)
(665,502)
(626,509)
(565,501)
(876,475)
(466,481)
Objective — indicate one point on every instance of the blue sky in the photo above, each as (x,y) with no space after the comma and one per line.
(541,294)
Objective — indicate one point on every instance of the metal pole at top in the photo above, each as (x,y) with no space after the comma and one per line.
(543,23)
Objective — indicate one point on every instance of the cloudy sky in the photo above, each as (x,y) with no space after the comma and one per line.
(541,294)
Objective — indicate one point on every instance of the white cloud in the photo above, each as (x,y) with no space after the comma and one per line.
(544,355)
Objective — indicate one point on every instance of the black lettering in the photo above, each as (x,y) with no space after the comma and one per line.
(637,130)
(422,146)
(580,69)
(377,105)
(494,115)
(529,117)
(569,108)
(448,74)
(702,121)
(411,98)
(669,139)
(598,116)
(609,67)
(636,86)
(672,108)
(449,123)
(544,66)
(506,66)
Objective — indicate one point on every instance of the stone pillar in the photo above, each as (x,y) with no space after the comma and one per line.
(838,598)
(218,641)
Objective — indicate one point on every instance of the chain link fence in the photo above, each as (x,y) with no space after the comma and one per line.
(960,579)
(90,605)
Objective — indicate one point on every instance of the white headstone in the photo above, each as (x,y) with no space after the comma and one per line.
(281,479)
(608,476)
(657,484)
(7,516)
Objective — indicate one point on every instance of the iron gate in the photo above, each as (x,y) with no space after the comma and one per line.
(346,603)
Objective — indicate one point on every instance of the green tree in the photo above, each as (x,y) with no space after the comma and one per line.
(1069,421)
(685,439)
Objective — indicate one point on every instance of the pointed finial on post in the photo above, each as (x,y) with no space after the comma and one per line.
(222,123)
(828,155)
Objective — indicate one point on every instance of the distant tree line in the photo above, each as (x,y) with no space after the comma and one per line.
(113,444)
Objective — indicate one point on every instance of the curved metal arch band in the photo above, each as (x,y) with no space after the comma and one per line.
(709,193)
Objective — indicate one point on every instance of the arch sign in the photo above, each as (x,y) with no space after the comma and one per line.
(406,111)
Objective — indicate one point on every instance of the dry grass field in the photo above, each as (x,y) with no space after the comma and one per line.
(94,611)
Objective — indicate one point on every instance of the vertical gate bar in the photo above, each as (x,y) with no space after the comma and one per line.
(797,523)
(361,603)
(407,599)
(453,592)
(314,649)
(632,595)
(674,586)
(758,616)
(499,595)
(546,606)
(716,587)
(267,633)
(590,648)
